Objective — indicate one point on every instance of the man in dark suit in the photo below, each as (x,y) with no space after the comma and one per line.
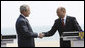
(63,24)
(24,31)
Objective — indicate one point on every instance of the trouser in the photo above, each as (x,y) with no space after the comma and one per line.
(65,43)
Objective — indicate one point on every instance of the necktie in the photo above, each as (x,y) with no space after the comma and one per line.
(63,22)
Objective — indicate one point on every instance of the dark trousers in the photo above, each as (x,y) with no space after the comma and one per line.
(64,43)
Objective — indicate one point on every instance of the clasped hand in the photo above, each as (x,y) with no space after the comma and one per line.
(41,35)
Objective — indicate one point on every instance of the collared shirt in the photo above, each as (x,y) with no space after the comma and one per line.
(23,15)
(64,19)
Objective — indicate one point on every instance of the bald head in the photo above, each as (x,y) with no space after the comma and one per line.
(61,11)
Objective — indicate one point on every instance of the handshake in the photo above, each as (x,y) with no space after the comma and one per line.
(41,35)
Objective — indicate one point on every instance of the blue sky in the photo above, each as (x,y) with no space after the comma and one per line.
(42,12)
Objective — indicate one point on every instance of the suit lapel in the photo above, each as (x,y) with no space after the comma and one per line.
(60,23)
(27,22)
(67,20)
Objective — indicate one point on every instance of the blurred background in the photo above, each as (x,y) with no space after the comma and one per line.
(42,17)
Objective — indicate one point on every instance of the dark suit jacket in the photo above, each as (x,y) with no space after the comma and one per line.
(25,33)
(70,25)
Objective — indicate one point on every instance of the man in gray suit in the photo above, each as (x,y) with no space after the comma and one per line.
(24,31)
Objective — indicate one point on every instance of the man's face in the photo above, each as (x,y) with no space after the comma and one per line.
(27,13)
(60,13)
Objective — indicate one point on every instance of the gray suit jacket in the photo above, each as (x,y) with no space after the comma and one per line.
(25,33)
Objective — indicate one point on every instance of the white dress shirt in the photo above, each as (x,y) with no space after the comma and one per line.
(64,19)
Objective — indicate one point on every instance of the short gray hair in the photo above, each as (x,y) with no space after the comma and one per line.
(23,7)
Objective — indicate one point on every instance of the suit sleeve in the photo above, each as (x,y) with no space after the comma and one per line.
(76,25)
(52,31)
(24,30)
